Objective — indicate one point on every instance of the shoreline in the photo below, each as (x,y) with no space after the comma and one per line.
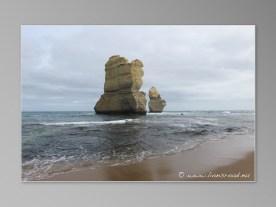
(229,159)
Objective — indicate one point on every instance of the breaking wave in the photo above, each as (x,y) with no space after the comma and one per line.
(122,121)
(54,143)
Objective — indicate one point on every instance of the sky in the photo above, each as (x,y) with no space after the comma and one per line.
(193,67)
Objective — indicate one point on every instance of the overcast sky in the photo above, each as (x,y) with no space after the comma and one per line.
(193,67)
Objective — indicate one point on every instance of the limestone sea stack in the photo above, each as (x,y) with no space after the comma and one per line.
(156,103)
(123,81)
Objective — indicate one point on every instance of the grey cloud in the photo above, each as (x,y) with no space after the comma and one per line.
(194,67)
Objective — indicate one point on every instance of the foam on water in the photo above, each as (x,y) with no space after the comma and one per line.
(123,121)
(75,140)
(166,114)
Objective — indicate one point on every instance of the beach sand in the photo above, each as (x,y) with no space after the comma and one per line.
(230,159)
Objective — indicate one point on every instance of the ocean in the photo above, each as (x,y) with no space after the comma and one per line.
(58,142)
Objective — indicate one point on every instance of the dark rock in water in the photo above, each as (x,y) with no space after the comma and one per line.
(156,103)
(123,81)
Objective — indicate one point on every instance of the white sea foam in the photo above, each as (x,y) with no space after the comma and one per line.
(205,121)
(166,113)
(189,145)
(178,125)
(42,168)
(122,121)
(142,155)
(37,169)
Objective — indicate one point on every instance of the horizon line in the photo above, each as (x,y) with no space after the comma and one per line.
(147,111)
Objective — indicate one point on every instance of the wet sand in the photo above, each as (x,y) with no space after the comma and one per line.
(230,159)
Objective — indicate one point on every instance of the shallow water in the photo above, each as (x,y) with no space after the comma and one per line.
(55,142)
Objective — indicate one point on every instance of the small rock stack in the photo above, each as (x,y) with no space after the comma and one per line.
(123,81)
(156,103)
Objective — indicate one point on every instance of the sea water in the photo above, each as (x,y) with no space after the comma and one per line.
(57,142)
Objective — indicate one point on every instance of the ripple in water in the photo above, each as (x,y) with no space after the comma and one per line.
(63,141)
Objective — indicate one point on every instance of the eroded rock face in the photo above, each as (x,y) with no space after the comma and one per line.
(123,81)
(156,103)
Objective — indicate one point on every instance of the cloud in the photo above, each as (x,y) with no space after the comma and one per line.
(194,67)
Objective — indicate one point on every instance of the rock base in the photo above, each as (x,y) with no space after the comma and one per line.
(156,105)
(122,103)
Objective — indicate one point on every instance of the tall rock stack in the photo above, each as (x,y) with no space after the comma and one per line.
(123,81)
(156,103)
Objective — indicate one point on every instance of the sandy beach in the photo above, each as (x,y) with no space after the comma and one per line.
(230,159)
